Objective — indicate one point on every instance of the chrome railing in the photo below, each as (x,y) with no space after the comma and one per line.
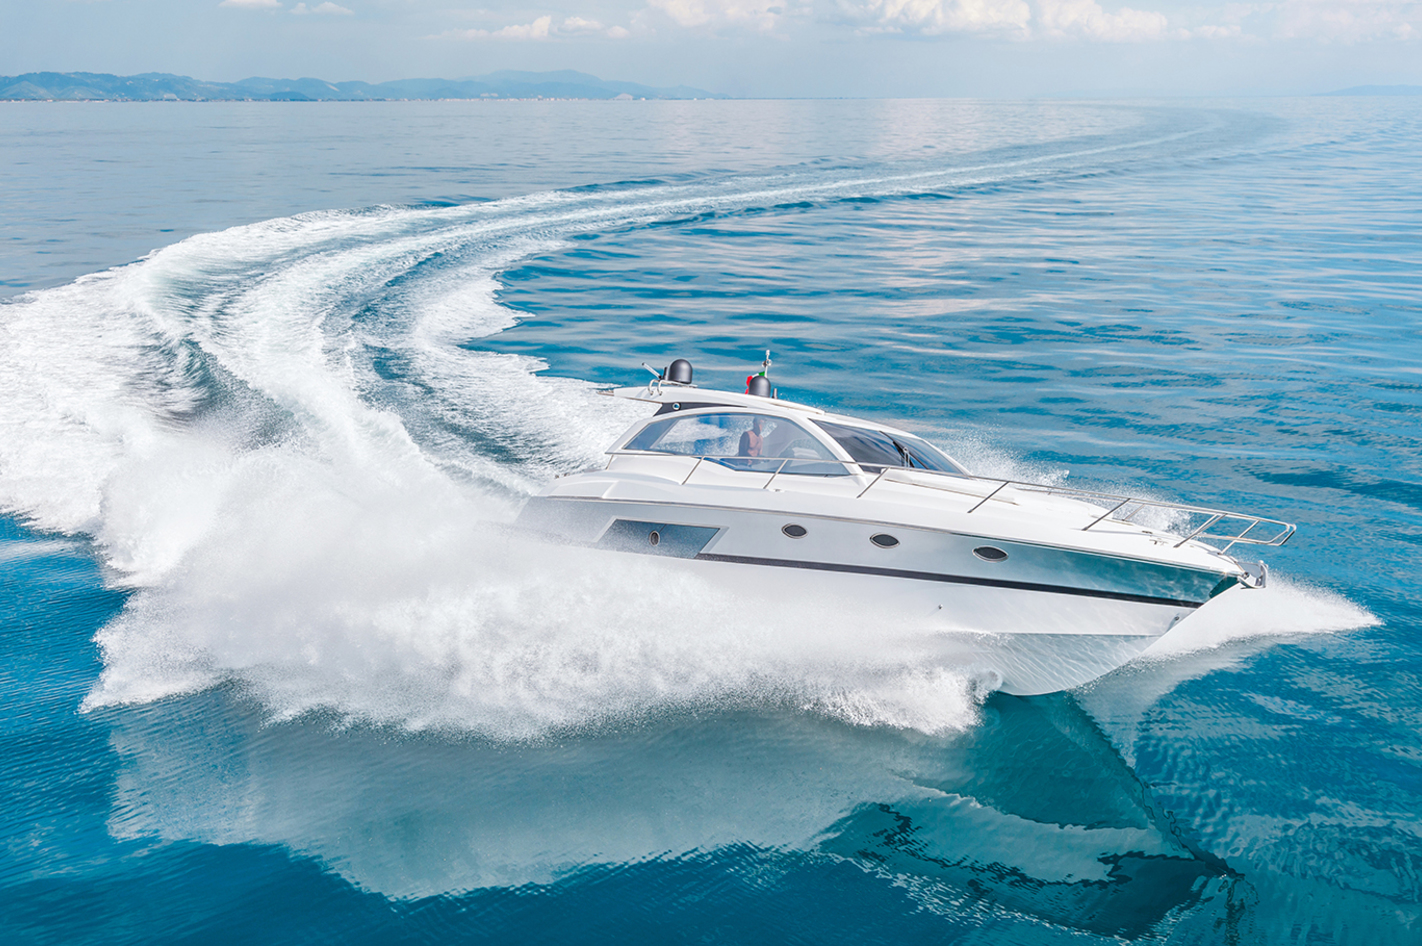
(1195,522)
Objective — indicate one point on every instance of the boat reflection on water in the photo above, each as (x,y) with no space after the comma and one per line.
(1029,817)
(1036,815)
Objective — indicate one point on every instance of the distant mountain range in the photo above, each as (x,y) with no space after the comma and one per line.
(1379,90)
(158,86)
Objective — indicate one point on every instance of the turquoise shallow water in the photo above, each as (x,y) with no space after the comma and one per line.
(269,675)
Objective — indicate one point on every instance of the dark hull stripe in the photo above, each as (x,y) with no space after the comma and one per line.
(947,579)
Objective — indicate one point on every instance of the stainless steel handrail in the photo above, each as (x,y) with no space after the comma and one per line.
(1246,522)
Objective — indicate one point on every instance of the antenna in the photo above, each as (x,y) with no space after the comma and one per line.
(765,365)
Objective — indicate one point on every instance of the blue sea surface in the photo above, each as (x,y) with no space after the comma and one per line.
(272,375)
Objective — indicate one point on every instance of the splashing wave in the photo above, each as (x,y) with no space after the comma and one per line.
(278,437)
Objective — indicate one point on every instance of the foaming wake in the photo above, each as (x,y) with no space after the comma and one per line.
(1219,637)
(409,609)
(278,437)
(1281,609)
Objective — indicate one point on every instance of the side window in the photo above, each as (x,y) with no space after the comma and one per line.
(866,447)
(926,456)
(752,437)
(876,448)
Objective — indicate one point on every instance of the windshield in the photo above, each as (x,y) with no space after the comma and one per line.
(750,437)
(877,448)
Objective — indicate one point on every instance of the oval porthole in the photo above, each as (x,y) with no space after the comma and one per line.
(795,531)
(655,538)
(884,541)
(990,554)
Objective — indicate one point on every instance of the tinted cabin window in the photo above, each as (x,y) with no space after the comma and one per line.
(926,456)
(879,449)
(866,447)
(745,441)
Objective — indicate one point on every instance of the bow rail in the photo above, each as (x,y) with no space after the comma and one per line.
(1185,521)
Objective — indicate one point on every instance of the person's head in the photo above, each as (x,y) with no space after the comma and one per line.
(757,425)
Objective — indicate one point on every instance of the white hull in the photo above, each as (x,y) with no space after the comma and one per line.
(1021,642)
(1036,588)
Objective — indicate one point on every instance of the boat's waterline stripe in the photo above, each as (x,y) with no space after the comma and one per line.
(947,579)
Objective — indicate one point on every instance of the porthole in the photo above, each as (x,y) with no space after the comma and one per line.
(884,540)
(795,531)
(990,554)
(655,538)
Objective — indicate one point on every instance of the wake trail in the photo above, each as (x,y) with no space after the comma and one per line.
(298,518)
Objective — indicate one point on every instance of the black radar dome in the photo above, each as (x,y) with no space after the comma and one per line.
(679,371)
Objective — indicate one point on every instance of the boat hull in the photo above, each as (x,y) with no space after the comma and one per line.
(1020,642)
(1044,619)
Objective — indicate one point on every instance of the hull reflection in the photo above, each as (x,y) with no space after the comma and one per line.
(1031,813)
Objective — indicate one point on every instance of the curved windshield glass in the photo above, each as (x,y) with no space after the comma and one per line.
(877,448)
(753,441)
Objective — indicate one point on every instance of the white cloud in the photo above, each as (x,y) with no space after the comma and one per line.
(541,28)
(1101,21)
(1215,31)
(577,24)
(1085,19)
(1346,21)
(538,29)
(934,17)
(328,8)
(251,4)
(760,15)
(1325,21)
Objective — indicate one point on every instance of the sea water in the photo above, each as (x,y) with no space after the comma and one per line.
(273,376)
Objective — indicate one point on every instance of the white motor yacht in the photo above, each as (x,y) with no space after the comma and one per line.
(1038,587)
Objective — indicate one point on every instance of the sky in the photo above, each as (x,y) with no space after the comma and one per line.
(771,48)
